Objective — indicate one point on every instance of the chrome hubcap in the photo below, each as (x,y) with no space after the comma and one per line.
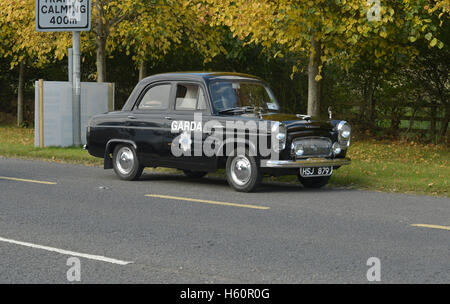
(125,160)
(241,170)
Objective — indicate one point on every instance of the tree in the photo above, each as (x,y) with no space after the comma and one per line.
(106,15)
(430,73)
(331,31)
(160,26)
(23,45)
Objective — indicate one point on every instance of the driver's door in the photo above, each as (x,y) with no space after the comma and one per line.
(190,111)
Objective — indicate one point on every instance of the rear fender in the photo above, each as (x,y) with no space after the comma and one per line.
(110,145)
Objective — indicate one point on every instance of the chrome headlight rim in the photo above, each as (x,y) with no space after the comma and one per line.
(344,133)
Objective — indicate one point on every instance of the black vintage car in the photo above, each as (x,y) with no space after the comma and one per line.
(201,122)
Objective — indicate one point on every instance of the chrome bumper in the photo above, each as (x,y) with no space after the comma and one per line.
(309,162)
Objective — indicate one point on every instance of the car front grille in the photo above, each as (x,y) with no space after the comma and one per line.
(313,147)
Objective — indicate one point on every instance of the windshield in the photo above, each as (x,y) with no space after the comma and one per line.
(231,95)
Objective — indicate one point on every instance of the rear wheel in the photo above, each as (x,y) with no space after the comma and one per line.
(194,174)
(125,162)
(243,172)
(313,182)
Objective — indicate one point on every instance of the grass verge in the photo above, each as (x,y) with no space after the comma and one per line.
(376,165)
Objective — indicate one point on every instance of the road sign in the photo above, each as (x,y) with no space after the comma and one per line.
(63,15)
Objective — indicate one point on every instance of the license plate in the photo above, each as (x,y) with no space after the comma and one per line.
(316,171)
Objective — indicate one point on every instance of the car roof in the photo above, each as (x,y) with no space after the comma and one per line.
(208,76)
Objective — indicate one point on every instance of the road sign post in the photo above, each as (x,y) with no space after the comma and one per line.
(76,89)
(66,16)
(70,64)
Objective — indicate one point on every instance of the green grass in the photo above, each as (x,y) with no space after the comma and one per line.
(377,165)
(397,167)
(19,142)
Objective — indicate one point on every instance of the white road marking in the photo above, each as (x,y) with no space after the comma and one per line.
(67,252)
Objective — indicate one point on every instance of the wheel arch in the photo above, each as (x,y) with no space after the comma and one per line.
(109,148)
(221,152)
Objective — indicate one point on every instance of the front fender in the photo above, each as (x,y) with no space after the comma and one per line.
(224,151)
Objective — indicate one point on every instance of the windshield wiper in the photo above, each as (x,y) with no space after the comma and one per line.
(238,110)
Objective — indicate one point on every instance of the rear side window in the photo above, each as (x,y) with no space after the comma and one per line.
(190,97)
(156,98)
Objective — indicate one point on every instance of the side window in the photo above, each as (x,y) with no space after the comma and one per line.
(156,98)
(190,97)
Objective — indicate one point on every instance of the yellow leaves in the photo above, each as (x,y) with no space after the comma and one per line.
(340,29)
(433,42)
(20,39)
(391,11)
(428,36)
(278,54)
(160,25)
(294,70)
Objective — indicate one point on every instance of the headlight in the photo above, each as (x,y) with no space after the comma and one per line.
(344,130)
(297,149)
(279,134)
(336,148)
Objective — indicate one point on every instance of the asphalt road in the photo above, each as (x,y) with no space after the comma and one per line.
(281,234)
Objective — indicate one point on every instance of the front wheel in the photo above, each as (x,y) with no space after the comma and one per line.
(313,182)
(243,172)
(125,162)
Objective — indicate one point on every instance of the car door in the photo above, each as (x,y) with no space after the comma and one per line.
(146,122)
(190,111)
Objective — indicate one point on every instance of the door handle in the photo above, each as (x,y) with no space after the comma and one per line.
(131,117)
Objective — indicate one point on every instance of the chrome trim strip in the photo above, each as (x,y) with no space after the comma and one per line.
(310,162)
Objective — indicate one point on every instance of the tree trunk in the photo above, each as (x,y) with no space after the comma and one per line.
(371,101)
(363,106)
(142,70)
(433,122)
(411,120)
(20,93)
(445,123)
(372,107)
(313,85)
(418,105)
(100,42)
(395,122)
